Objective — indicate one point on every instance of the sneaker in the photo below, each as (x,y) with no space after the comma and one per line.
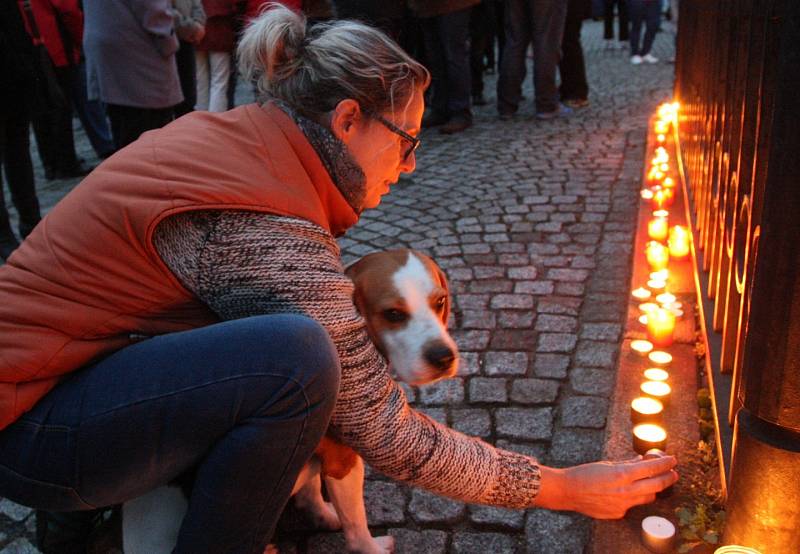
(457,123)
(636,60)
(576,103)
(561,111)
(649,58)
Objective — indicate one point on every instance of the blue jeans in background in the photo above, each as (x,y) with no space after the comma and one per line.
(541,21)
(243,403)
(649,13)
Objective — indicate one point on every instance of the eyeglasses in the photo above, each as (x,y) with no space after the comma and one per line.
(413,141)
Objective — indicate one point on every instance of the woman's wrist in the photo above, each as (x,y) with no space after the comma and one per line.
(553,489)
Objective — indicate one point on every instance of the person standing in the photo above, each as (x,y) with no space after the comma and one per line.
(574,89)
(190,20)
(543,22)
(649,13)
(445,26)
(18,68)
(213,55)
(130,48)
(608,22)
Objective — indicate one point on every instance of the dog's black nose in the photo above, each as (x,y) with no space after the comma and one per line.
(440,356)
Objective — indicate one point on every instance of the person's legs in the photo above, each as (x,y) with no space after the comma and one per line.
(184,58)
(636,13)
(512,64)
(128,123)
(624,24)
(220,69)
(244,403)
(652,17)
(8,242)
(434,53)
(608,19)
(479,35)
(203,79)
(548,18)
(18,167)
(92,114)
(454,35)
(571,67)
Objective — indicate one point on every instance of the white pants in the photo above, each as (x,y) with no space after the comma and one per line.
(213,72)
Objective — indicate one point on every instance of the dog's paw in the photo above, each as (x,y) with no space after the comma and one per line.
(372,545)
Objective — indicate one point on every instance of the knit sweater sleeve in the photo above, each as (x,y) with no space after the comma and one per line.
(243,264)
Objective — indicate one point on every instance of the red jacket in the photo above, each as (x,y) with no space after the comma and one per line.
(88,279)
(63,49)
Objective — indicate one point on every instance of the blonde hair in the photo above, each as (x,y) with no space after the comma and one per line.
(313,71)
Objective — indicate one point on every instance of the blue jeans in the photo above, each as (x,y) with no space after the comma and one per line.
(446,44)
(243,403)
(543,22)
(649,13)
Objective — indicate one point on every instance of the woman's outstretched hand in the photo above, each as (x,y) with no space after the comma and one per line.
(605,490)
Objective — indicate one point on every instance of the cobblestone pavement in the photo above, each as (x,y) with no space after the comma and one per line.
(533,223)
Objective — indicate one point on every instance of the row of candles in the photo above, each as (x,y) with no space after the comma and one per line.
(659,311)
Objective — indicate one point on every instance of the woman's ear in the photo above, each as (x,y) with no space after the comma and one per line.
(345,119)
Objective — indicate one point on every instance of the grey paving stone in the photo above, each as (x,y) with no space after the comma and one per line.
(599,382)
(524,423)
(524,273)
(13,510)
(427,542)
(596,354)
(556,323)
(385,503)
(19,546)
(498,517)
(584,411)
(476,422)
(576,446)
(468,363)
(426,507)
(472,543)
(534,391)
(505,363)
(478,319)
(437,414)
(513,339)
(512,301)
(551,365)
(508,319)
(487,389)
(556,342)
(447,391)
(601,331)
(550,532)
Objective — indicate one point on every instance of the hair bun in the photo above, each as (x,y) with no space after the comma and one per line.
(273,43)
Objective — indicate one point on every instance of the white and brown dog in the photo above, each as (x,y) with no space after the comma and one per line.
(404,299)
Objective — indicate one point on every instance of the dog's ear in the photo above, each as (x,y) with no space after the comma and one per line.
(443,283)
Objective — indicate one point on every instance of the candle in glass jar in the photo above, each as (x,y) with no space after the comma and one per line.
(659,390)
(657,255)
(645,409)
(658,229)
(647,436)
(660,327)
(678,242)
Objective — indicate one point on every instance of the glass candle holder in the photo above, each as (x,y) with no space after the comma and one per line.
(646,410)
(657,255)
(660,327)
(647,436)
(658,229)
(658,390)
(678,242)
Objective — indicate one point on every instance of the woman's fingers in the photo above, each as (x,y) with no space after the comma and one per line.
(650,468)
(652,485)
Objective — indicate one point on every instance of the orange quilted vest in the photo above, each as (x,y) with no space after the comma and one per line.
(88,277)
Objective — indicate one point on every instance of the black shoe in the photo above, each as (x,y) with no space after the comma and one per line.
(65,532)
(72,171)
(457,123)
(479,99)
(8,243)
(433,119)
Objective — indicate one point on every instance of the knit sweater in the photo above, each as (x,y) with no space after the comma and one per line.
(244,264)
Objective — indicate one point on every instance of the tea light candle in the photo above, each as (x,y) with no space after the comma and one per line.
(643,319)
(660,275)
(736,549)
(660,358)
(657,255)
(678,242)
(658,390)
(674,308)
(666,298)
(664,167)
(661,126)
(668,183)
(646,410)
(646,194)
(658,229)
(641,293)
(660,327)
(647,436)
(647,307)
(658,534)
(656,374)
(656,285)
(661,138)
(641,347)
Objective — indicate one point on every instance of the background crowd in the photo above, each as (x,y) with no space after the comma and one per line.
(130,66)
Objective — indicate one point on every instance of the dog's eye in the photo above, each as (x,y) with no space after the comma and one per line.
(394,316)
(440,303)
